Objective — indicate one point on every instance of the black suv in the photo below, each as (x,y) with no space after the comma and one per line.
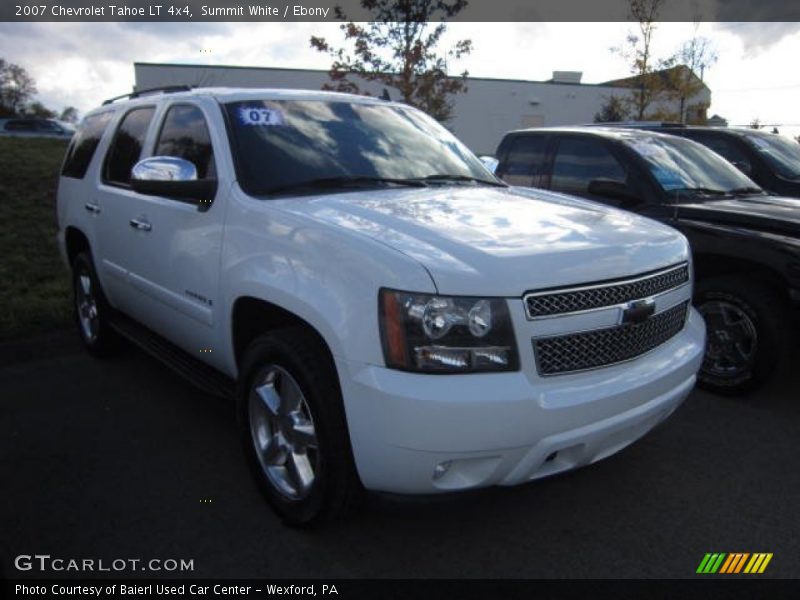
(34,127)
(772,161)
(745,242)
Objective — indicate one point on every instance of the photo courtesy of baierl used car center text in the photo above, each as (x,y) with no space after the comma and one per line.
(399,298)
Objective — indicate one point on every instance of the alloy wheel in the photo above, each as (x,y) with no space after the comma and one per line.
(86,305)
(283,433)
(732,339)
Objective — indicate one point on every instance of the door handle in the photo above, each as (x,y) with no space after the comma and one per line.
(92,207)
(140,225)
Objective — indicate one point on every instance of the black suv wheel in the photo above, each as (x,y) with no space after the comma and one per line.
(746,324)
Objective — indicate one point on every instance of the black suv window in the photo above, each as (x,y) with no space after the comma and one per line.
(81,149)
(20,125)
(525,160)
(185,134)
(723,146)
(48,126)
(578,161)
(126,147)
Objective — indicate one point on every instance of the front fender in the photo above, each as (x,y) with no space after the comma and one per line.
(326,275)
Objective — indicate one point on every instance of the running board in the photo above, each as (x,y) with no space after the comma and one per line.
(193,370)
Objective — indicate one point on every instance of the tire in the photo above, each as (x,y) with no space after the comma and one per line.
(293,428)
(91,310)
(746,333)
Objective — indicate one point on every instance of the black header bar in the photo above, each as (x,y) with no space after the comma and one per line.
(323,10)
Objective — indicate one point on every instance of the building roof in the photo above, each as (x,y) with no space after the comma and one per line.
(665,75)
(325,72)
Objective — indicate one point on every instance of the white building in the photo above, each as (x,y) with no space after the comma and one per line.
(488,109)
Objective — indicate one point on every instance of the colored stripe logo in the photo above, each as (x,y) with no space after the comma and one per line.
(734,563)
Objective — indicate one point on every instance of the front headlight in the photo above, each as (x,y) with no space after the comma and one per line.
(446,334)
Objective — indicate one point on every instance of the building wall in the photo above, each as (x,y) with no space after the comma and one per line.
(488,109)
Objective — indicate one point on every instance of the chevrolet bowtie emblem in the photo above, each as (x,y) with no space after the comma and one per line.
(638,311)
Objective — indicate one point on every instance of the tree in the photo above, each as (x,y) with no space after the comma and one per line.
(755,124)
(69,114)
(693,58)
(16,88)
(613,110)
(38,110)
(398,49)
(648,84)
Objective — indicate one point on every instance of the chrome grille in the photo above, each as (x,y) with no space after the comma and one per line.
(601,347)
(559,302)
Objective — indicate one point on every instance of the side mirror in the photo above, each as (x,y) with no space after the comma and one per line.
(490,162)
(612,189)
(744,166)
(173,177)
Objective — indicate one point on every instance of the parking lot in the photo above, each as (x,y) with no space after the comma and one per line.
(123,459)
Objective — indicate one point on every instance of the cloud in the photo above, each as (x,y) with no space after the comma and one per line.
(80,64)
(758,37)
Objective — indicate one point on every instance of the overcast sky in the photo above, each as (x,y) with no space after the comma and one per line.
(80,64)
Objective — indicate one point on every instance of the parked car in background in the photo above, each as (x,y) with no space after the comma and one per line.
(385,312)
(25,127)
(745,242)
(771,160)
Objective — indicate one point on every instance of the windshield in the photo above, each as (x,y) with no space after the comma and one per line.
(283,145)
(782,154)
(680,165)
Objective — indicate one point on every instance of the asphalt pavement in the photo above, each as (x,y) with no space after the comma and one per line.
(124,459)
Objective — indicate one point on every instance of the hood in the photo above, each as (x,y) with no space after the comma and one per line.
(763,213)
(500,241)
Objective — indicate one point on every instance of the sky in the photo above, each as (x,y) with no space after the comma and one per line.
(80,64)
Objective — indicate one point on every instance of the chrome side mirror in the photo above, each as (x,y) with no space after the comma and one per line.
(175,178)
(164,168)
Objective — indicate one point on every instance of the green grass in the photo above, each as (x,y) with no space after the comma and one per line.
(34,285)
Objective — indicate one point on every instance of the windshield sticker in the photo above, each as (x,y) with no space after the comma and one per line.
(260,116)
(668,178)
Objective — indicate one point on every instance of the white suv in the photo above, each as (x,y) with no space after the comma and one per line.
(387,314)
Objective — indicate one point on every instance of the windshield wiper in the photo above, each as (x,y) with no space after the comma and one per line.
(465,178)
(344,181)
(747,191)
(700,190)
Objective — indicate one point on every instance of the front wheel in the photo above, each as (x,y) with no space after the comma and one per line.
(746,331)
(293,428)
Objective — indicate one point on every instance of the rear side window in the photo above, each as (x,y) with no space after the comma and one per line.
(185,134)
(81,150)
(126,147)
(578,161)
(525,160)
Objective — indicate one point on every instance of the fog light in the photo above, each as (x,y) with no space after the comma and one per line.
(441,469)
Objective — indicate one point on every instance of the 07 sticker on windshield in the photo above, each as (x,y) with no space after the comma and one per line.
(260,116)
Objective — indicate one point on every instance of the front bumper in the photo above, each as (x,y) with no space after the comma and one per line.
(421,434)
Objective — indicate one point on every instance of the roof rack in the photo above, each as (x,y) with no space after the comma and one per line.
(639,124)
(167,89)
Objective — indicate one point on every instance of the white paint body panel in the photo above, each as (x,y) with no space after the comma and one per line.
(324,258)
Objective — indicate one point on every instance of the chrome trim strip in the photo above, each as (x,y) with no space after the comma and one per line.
(618,282)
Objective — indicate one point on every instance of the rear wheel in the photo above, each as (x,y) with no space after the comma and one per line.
(91,309)
(746,333)
(293,428)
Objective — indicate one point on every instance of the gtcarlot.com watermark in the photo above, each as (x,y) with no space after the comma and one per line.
(44,563)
